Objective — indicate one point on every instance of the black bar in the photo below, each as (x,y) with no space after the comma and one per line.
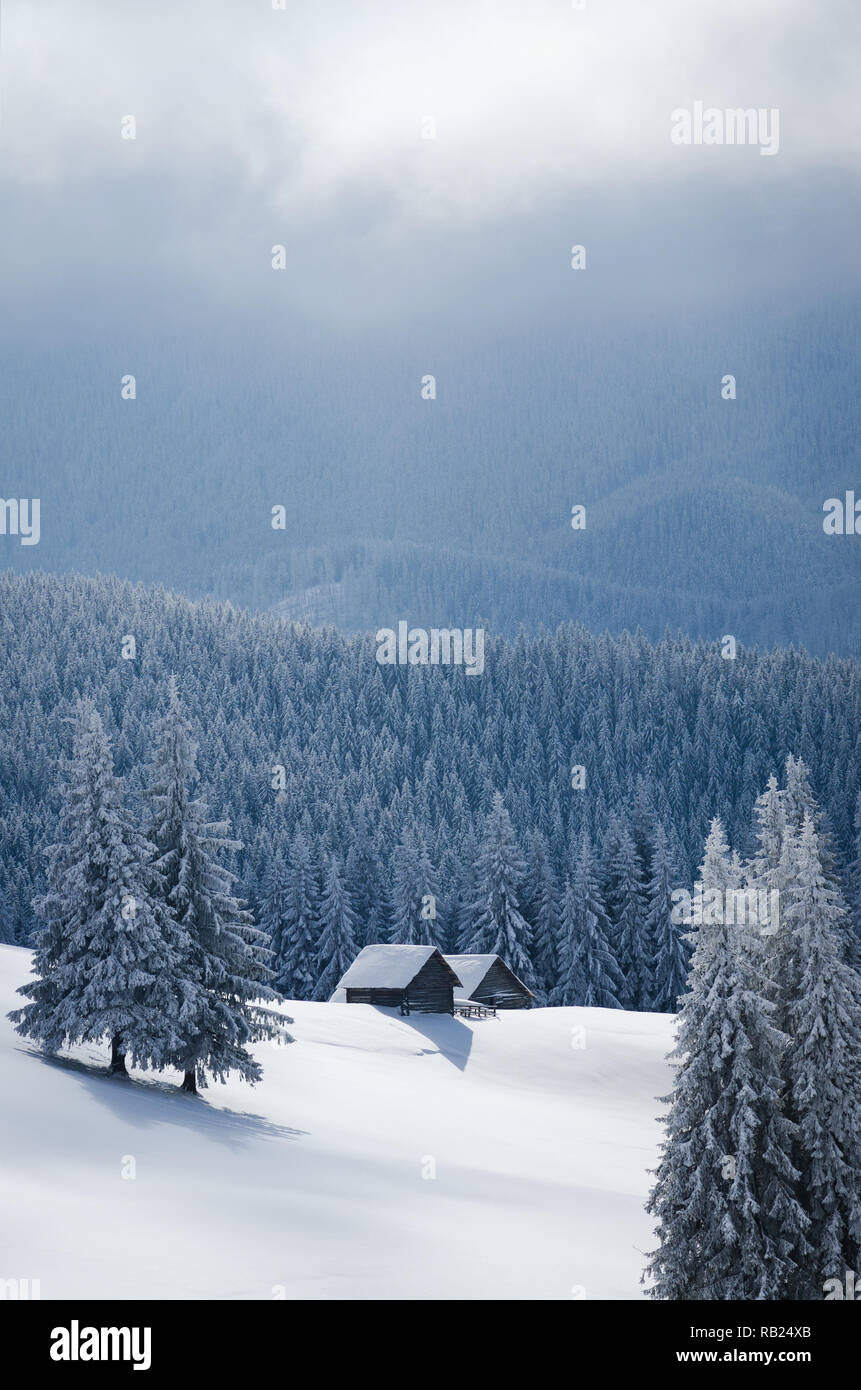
(251,1337)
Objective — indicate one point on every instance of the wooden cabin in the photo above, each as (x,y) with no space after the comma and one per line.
(488,980)
(414,979)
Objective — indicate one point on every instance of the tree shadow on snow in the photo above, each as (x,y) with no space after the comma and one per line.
(143,1103)
(451,1037)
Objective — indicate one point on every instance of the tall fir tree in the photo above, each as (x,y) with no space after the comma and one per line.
(226,957)
(670,958)
(108,963)
(363,880)
(718,873)
(272,918)
(336,948)
(797,797)
(289,918)
(589,972)
(769,816)
(798,802)
(8,928)
(303,922)
(541,892)
(627,909)
(818,998)
(855,867)
(729,1223)
(415,921)
(565,990)
(498,926)
(854,881)
(462,894)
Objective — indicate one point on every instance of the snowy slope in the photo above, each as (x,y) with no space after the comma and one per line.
(313,1180)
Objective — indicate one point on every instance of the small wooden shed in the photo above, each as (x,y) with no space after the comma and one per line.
(414,979)
(488,980)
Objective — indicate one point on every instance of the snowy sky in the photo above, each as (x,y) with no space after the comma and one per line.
(303,126)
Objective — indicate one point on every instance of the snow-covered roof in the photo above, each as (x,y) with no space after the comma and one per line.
(385,967)
(470,970)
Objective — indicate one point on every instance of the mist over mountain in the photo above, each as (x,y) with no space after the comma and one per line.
(702,513)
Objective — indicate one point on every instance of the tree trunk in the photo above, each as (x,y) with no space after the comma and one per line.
(118,1057)
(189,1082)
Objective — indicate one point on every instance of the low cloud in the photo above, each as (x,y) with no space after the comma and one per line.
(304,126)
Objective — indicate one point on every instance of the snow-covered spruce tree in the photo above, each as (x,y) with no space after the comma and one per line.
(288,917)
(462,893)
(296,952)
(799,802)
(363,880)
(107,963)
(626,908)
(413,896)
(797,796)
(761,870)
(8,933)
(779,813)
(272,918)
(565,990)
(729,1222)
(670,957)
(541,899)
(642,822)
(610,841)
(498,926)
(819,1006)
(225,957)
(589,972)
(764,870)
(855,871)
(718,874)
(433,908)
(336,949)
(595,966)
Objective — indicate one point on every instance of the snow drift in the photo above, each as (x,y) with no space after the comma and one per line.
(380,1157)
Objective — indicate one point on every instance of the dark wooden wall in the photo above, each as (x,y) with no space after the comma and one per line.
(500,988)
(432,990)
(389,998)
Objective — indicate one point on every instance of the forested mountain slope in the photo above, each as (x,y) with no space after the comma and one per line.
(381,762)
